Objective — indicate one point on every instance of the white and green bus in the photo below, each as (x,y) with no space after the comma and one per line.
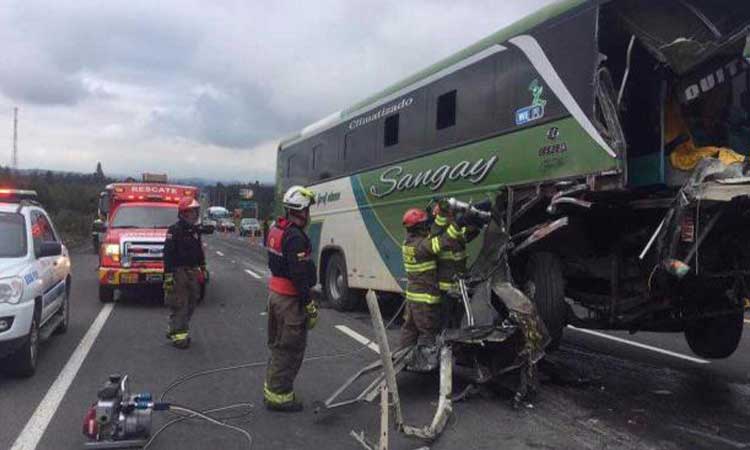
(565,113)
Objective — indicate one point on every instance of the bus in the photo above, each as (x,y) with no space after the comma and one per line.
(564,116)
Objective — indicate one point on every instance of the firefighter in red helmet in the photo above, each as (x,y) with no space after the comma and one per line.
(184,270)
(291,309)
(422,320)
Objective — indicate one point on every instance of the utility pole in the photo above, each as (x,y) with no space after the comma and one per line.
(14,158)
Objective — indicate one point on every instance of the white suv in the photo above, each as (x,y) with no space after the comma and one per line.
(34,281)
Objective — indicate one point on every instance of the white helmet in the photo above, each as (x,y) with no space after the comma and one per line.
(298,198)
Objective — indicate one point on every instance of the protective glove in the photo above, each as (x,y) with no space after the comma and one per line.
(168,283)
(311,310)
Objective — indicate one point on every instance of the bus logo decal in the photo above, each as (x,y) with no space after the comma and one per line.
(393,179)
(535,111)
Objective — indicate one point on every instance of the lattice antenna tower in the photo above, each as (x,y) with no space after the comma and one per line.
(14,156)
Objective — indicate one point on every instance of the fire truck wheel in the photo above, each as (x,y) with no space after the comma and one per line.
(106,294)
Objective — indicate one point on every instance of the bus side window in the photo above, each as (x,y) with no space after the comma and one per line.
(289,166)
(317,156)
(446,110)
(390,131)
(298,166)
(360,151)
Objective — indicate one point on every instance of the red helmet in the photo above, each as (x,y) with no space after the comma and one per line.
(414,217)
(188,203)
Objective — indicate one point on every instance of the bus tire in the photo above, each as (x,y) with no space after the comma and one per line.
(545,286)
(716,337)
(106,294)
(336,285)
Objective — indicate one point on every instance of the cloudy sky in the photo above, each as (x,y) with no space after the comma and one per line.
(207,89)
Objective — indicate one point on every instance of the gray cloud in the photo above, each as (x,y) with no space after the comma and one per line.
(232,74)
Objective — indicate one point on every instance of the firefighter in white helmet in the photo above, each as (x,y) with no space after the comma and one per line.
(291,310)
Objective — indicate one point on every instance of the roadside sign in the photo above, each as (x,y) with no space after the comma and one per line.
(248,204)
(246,193)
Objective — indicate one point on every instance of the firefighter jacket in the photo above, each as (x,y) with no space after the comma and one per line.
(290,260)
(420,255)
(452,257)
(183,247)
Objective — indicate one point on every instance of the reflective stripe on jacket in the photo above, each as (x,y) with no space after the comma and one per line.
(420,262)
(452,257)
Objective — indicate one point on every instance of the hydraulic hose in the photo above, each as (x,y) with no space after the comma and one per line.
(204,415)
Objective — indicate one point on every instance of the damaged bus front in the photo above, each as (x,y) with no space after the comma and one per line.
(662,245)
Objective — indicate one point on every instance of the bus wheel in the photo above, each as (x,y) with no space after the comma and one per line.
(545,286)
(336,285)
(718,335)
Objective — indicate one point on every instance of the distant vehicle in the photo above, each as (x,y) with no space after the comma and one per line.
(132,252)
(209,224)
(226,225)
(34,281)
(218,212)
(571,132)
(249,227)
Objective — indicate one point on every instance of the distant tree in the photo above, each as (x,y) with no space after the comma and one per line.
(99,174)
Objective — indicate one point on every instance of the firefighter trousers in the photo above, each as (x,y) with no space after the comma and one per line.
(182,300)
(452,307)
(422,323)
(287,339)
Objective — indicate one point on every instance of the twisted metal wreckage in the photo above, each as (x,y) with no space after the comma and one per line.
(501,332)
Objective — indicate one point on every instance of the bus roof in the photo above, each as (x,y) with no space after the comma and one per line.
(544,14)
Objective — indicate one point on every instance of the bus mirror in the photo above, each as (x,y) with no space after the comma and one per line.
(104,203)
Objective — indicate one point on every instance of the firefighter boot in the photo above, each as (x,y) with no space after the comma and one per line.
(290,406)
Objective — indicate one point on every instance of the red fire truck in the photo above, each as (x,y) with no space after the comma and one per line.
(132,250)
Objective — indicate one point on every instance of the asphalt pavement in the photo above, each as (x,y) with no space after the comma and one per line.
(600,390)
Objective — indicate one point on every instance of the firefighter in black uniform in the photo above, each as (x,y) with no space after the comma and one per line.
(184,271)
(291,310)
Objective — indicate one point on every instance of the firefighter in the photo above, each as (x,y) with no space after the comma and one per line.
(291,310)
(422,319)
(184,271)
(452,259)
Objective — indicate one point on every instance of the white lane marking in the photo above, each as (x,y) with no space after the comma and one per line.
(359,338)
(639,345)
(32,433)
(253,274)
(747,320)
(219,253)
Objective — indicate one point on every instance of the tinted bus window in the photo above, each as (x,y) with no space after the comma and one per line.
(446,110)
(390,131)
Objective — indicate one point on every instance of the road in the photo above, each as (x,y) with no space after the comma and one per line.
(598,392)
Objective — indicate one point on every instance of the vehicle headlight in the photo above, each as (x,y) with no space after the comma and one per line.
(112,251)
(11,290)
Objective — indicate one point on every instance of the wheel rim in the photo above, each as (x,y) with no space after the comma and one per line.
(335,283)
(33,342)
